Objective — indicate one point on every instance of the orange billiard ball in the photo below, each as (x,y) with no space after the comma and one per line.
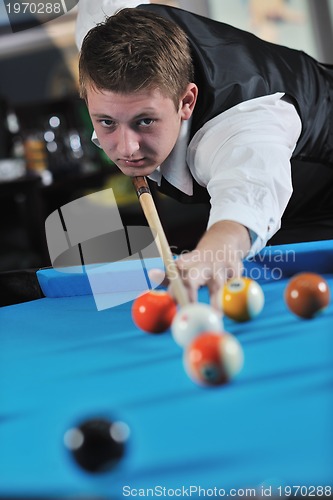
(213,359)
(307,294)
(242,299)
(154,311)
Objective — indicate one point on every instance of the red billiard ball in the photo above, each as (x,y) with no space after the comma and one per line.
(242,299)
(154,311)
(213,359)
(307,294)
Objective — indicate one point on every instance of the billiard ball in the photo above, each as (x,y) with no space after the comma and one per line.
(242,299)
(213,359)
(97,445)
(307,294)
(154,311)
(193,319)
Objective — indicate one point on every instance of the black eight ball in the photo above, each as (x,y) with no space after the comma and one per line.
(97,445)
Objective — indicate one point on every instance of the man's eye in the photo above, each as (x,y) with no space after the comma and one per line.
(106,123)
(145,122)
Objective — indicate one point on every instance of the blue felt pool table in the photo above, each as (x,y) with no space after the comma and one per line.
(269,432)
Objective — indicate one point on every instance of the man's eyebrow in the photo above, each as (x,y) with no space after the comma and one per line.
(101,115)
(145,112)
(142,113)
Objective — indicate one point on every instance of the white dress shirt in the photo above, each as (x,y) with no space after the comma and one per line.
(241,156)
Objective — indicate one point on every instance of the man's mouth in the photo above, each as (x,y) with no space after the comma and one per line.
(140,162)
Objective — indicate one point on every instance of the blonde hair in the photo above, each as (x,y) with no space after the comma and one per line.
(136,49)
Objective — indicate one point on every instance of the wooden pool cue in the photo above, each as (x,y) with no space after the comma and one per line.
(149,209)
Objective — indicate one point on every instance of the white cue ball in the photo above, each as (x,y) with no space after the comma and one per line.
(194,319)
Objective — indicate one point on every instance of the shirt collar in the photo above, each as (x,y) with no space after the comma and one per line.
(175,169)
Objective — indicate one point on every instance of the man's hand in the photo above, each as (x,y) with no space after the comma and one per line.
(218,257)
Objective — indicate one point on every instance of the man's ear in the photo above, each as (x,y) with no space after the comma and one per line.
(188,101)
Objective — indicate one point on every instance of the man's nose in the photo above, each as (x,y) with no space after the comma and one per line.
(127,142)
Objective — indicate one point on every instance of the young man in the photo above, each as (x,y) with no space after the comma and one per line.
(210,113)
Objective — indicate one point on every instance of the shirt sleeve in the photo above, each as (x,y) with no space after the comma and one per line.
(243,157)
(92,12)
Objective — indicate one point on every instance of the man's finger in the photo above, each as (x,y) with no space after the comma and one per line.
(158,276)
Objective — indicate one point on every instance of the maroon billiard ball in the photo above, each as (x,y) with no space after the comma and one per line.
(307,294)
(154,311)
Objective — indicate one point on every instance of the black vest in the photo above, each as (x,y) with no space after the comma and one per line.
(233,66)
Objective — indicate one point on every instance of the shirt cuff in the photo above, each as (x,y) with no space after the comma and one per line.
(260,231)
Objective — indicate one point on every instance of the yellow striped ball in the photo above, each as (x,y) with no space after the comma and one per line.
(242,299)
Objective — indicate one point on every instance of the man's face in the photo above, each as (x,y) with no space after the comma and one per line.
(138,131)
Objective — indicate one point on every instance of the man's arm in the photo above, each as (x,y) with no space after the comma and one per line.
(243,158)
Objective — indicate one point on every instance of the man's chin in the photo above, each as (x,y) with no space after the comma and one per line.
(139,171)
